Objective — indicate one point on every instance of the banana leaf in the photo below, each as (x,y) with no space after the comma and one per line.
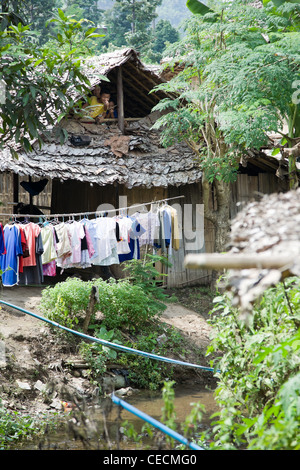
(197,7)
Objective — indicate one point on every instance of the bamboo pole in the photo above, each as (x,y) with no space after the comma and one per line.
(237,261)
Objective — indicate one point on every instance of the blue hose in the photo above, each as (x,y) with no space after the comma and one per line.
(165,429)
(108,343)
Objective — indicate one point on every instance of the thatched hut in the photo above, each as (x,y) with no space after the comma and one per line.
(121,162)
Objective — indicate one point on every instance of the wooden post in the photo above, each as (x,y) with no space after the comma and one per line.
(120,99)
(16,188)
(94,296)
(238,261)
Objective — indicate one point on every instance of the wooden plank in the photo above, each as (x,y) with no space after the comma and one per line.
(191,221)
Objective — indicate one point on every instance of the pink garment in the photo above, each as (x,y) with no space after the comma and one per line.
(32,231)
(49,269)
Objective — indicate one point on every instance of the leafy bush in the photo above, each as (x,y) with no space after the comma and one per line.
(145,275)
(121,303)
(258,390)
(66,301)
(97,355)
(125,304)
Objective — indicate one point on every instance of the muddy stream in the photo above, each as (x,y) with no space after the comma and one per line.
(104,423)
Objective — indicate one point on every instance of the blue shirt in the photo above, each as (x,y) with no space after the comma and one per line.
(10,260)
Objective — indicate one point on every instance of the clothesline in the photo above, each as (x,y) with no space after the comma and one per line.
(34,250)
(78,214)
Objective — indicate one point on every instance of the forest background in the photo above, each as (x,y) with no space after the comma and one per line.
(146,26)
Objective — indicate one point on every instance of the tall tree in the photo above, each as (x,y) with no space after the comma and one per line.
(164,33)
(29,12)
(236,88)
(87,9)
(134,19)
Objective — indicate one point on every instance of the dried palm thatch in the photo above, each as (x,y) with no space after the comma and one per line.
(268,228)
(264,248)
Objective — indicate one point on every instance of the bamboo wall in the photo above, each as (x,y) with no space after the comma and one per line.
(249,188)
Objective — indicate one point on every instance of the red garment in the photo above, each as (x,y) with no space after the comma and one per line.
(32,231)
(24,249)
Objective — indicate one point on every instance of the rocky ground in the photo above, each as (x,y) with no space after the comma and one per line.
(34,371)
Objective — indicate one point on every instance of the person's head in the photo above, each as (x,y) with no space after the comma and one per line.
(105,97)
(97,91)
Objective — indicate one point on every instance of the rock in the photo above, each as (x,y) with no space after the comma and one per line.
(162,339)
(127,391)
(23,385)
(40,386)
(111,383)
(2,355)
(56,403)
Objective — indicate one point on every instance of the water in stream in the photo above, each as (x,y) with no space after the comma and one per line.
(72,437)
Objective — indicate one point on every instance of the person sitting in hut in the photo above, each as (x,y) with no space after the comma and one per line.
(98,104)
(112,112)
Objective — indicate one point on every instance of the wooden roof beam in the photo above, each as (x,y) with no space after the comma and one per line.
(135,92)
(141,85)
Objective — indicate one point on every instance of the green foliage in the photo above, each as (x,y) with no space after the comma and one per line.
(121,303)
(131,23)
(150,373)
(197,7)
(96,354)
(15,427)
(124,304)
(65,302)
(12,427)
(144,274)
(84,9)
(236,85)
(125,307)
(41,81)
(258,390)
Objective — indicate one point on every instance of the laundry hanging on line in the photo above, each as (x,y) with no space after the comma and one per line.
(29,251)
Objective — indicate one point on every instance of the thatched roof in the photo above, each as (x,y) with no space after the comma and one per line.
(135,159)
(270,227)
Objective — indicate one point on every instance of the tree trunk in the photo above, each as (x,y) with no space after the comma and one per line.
(222,219)
(220,216)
